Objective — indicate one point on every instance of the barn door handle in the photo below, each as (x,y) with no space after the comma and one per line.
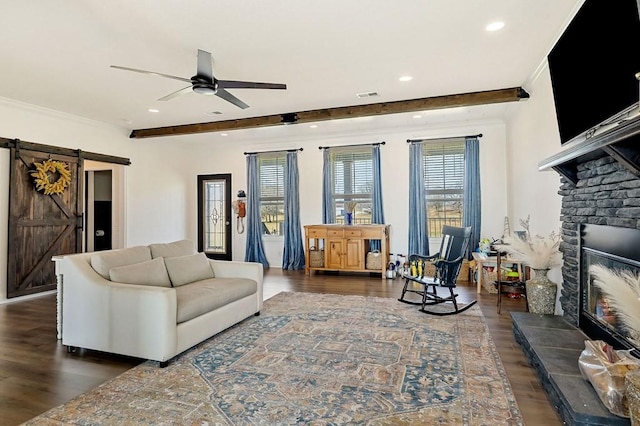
(80,222)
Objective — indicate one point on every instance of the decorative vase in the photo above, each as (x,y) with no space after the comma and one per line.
(349,218)
(541,293)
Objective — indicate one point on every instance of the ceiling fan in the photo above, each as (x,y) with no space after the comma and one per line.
(206,84)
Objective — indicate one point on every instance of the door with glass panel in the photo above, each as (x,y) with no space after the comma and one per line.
(214,216)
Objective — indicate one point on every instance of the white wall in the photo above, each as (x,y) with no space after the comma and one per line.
(533,136)
(174,163)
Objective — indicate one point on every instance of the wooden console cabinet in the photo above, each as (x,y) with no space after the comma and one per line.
(345,247)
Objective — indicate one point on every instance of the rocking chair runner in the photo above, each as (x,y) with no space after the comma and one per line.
(446,264)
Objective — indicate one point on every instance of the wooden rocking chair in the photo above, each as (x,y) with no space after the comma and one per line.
(445,266)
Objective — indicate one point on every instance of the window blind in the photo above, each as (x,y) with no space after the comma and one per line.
(443,163)
(353,172)
(444,167)
(352,180)
(271,177)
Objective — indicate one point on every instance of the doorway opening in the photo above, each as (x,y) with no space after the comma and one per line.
(104,206)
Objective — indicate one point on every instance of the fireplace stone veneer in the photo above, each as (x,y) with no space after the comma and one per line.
(606,193)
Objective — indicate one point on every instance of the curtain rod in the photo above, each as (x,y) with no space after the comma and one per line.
(346,146)
(479,135)
(277,150)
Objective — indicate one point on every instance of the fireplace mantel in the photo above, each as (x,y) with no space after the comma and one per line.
(621,142)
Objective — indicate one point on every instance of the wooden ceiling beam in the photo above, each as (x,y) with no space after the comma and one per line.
(382,108)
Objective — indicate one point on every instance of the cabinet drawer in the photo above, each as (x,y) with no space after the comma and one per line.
(317,233)
(372,233)
(334,233)
(352,233)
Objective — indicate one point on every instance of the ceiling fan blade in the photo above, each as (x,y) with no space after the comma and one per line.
(205,66)
(231,84)
(152,73)
(176,93)
(230,98)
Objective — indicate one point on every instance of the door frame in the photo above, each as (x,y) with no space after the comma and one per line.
(118,216)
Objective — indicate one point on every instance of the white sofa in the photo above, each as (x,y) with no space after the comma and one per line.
(155,301)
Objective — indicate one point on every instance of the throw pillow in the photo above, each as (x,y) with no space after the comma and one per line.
(103,261)
(187,269)
(174,249)
(152,272)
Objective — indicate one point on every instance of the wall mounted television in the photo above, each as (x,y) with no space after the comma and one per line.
(593,67)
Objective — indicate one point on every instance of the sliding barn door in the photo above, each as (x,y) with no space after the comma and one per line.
(40,226)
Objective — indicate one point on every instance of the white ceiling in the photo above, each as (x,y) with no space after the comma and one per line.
(57,54)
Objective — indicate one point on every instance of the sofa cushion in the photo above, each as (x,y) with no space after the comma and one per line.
(174,249)
(205,296)
(152,272)
(187,269)
(102,262)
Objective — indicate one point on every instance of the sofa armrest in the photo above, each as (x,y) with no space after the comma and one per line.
(238,269)
(127,319)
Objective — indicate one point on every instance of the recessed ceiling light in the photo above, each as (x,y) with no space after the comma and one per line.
(212,113)
(417,116)
(406,78)
(224,134)
(153,110)
(314,126)
(495,26)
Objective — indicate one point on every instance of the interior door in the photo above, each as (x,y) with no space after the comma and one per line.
(40,226)
(214,216)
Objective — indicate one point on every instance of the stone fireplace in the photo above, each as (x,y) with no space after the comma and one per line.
(600,186)
(600,214)
(600,217)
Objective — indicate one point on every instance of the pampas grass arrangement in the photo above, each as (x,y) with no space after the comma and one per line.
(537,252)
(622,290)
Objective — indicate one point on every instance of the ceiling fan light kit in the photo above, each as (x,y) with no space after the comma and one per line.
(205,88)
(204,83)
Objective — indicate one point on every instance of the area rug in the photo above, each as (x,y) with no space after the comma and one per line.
(316,359)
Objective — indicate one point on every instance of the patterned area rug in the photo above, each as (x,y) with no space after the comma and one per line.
(316,359)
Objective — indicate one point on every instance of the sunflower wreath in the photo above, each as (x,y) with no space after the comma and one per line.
(42,174)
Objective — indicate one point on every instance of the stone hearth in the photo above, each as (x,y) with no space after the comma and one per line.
(552,347)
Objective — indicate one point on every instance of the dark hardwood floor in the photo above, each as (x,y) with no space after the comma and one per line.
(37,374)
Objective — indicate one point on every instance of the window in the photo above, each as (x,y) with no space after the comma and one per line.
(444,184)
(352,181)
(271,168)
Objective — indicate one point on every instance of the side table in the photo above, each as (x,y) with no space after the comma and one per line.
(483,260)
